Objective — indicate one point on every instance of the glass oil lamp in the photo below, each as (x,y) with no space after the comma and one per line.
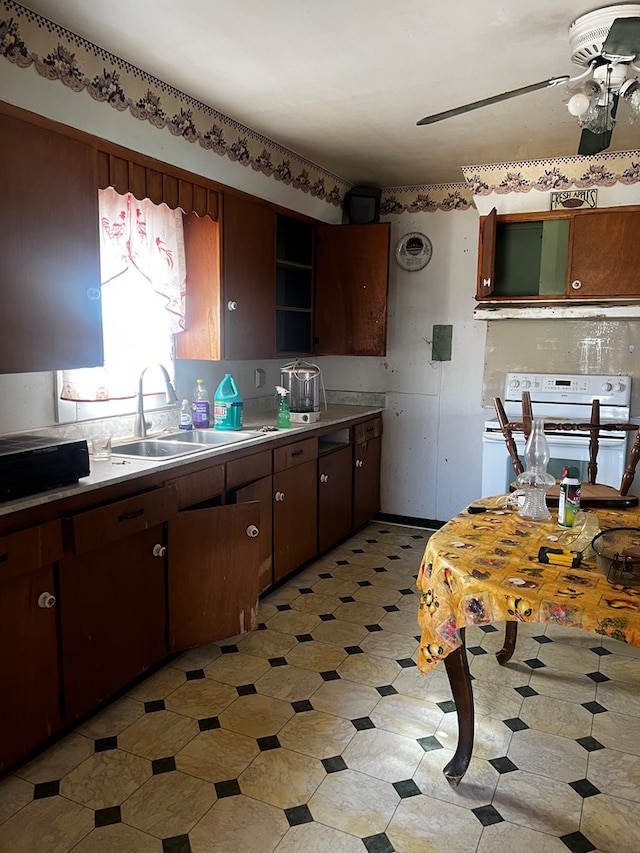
(534,482)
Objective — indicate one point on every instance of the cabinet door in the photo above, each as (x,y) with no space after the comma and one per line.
(113,615)
(366,481)
(486,255)
(202,338)
(261,491)
(334,497)
(249,279)
(605,254)
(352,276)
(49,244)
(29,657)
(295,512)
(213,574)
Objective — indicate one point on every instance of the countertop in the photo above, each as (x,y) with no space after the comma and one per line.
(112,471)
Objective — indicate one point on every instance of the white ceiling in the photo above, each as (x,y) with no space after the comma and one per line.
(343,82)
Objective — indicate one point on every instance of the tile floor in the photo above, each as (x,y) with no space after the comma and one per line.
(317,734)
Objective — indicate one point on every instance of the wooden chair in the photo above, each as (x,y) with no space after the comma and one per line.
(593,494)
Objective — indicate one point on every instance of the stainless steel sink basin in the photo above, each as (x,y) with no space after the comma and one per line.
(152,448)
(211,438)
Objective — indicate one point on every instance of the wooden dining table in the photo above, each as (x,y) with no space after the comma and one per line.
(482,567)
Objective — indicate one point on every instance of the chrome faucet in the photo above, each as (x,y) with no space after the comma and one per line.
(140,425)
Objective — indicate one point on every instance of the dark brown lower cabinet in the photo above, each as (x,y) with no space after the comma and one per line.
(295,506)
(113,597)
(213,577)
(29,665)
(261,491)
(334,497)
(367,453)
(113,612)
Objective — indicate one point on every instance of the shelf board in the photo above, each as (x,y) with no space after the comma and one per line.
(564,311)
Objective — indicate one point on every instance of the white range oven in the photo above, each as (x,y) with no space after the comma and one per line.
(557,397)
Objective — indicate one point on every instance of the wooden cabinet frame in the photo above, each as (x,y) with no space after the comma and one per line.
(603,255)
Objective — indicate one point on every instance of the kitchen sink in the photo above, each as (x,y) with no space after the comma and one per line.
(152,448)
(179,443)
(209,437)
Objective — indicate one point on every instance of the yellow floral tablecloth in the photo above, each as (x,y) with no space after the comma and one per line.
(483,568)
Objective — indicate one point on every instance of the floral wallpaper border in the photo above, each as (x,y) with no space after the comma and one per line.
(30,40)
(561,173)
(425,199)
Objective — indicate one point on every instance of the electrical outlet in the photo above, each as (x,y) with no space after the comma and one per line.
(259,377)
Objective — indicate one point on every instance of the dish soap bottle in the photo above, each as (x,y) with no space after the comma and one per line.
(200,406)
(186,419)
(227,405)
(283,418)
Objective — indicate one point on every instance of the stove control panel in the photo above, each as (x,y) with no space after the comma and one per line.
(570,388)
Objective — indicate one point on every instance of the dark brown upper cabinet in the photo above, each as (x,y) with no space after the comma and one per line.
(581,255)
(49,245)
(351,289)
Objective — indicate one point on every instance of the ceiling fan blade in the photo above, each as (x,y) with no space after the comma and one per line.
(495,99)
(594,143)
(623,40)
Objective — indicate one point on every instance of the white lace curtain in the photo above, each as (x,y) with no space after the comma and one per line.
(143,276)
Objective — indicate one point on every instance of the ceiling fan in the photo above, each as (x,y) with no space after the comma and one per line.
(606,43)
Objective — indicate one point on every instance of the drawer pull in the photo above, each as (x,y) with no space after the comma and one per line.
(46,600)
(252,531)
(370,429)
(128,516)
(324,478)
(159,550)
(297,452)
(359,463)
(279,496)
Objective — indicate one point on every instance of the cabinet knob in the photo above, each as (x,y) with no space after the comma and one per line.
(279,496)
(576,285)
(359,463)
(324,478)
(252,531)
(159,550)
(46,600)
(232,305)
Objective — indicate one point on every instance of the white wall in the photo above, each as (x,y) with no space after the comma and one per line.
(431,466)
(433,422)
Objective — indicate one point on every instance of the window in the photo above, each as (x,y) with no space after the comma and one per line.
(143,294)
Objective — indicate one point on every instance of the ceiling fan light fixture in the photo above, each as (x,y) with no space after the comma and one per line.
(578,104)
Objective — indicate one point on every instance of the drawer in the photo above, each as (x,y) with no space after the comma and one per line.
(27,550)
(94,528)
(193,488)
(248,469)
(369,429)
(295,454)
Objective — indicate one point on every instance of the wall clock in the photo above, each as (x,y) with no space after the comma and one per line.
(413,251)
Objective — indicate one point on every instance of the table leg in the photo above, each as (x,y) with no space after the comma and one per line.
(460,680)
(510,635)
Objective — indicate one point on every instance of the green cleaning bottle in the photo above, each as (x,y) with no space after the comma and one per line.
(283,418)
(227,405)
